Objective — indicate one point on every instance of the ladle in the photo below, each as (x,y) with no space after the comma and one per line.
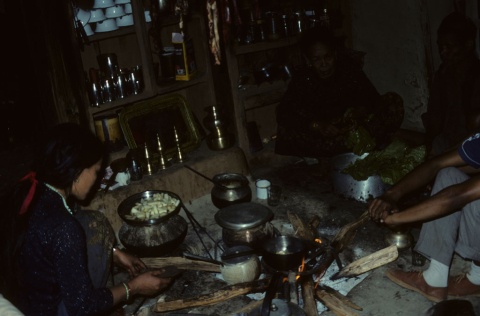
(207,178)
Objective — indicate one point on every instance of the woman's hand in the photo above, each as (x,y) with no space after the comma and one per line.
(149,283)
(128,262)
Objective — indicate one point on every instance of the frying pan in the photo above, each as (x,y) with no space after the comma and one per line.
(284,253)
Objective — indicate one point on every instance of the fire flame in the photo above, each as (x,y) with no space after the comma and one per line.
(319,278)
(301,268)
(318,240)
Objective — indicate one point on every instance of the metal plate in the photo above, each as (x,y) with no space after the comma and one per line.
(243,216)
(126,206)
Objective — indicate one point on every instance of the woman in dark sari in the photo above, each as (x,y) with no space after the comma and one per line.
(45,269)
(311,116)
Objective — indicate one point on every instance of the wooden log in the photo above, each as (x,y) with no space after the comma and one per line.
(181,263)
(345,300)
(370,262)
(347,233)
(334,304)
(309,296)
(248,309)
(314,222)
(292,281)
(301,228)
(219,296)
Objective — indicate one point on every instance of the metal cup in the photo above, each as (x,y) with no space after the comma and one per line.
(108,89)
(108,64)
(120,86)
(95,94)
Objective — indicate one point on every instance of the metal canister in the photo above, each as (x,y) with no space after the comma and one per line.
(286,27)
(108,130)
(275,28)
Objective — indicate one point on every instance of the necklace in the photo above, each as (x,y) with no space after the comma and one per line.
(63,199)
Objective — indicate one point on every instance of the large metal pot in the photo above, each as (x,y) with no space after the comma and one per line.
(234,188)
(284,253)
(346,186)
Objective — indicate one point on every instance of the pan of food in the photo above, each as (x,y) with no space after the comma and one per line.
(284,253)
(149,207)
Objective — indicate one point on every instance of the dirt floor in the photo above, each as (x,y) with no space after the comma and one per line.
(307,191)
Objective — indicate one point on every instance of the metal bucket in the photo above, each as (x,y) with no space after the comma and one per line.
(345,185)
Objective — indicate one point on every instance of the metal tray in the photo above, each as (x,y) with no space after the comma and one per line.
(126,206)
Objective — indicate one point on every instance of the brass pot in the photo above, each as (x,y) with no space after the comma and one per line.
(402,239)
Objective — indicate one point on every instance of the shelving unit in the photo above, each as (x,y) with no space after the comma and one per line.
(258,102)
(132,45)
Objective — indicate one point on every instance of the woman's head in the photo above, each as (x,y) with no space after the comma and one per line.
(319,48)
(456,37)
(67,158)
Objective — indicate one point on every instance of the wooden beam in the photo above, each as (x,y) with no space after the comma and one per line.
(333,303)
(308,291)
(347,233)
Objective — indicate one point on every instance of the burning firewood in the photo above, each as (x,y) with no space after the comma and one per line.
(181,263)
(345,300)
(333,303)
(308,291)
(347,233)
(219,296)
(369,262)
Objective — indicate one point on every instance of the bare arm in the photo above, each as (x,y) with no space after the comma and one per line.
(416,179)
(443,203)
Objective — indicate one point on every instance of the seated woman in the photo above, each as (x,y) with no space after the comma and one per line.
(309,117)
(45,269)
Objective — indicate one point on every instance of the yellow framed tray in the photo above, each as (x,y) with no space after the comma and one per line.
(142,121)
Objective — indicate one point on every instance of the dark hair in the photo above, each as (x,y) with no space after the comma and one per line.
(460,25)
(315,35)
(68,149)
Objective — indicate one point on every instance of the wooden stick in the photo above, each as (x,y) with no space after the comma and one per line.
(314,222)
(219,296)
(247,309)
(301,229)
(292,281)
(370,262)
(309,296)
(347,233)
(333,303)
(345,300)
(181,263)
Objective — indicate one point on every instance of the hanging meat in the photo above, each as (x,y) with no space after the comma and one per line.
(212,11)
(181,8)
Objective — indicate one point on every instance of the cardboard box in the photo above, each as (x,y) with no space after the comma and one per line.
(185,64)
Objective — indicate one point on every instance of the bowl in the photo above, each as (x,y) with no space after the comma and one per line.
(115,11)
(88,30)
(126,206)
(103,4)
(97,15)
(83,16)
(127,8)
(106,26)
(148,18)
(125,20)
(284,253)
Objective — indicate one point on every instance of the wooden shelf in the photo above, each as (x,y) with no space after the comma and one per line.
(263,88)
(119,103)
(173,85)
(257,47)
(125,30)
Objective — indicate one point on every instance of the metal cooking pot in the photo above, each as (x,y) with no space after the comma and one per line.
(346,186)
(234,188)
(284,253)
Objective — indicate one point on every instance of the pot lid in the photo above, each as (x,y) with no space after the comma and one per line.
(243,216)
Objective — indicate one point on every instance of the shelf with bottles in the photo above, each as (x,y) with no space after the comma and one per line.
(119,103)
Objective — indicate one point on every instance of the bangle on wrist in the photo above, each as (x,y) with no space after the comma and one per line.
(114,249)
(128,291)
